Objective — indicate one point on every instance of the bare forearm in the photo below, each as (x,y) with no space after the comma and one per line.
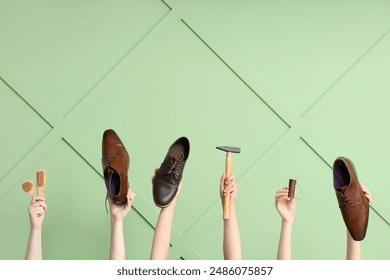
(117,243)
(34,248)
(353,248)
(284,249)
(231,238)
(162,234)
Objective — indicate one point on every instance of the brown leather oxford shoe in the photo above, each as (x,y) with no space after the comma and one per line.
(115,160)
(168,177)
(352,201)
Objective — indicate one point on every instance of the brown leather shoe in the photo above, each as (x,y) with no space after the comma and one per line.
(352,201)
(168,177)
(115,162)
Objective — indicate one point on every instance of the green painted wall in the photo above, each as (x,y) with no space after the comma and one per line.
(293,83)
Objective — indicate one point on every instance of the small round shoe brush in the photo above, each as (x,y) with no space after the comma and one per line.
(41,182)
(28,187)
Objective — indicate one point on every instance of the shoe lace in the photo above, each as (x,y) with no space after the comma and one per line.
(108,159)
(105,203)
(345,201)
(110,174)
(174,163)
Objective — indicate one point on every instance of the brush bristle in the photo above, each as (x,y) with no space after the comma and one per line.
(41,177)
(28,185)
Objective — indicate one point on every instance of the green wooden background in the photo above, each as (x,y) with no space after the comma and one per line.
(293,83)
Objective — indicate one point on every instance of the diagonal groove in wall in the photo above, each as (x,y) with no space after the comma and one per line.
(340,87)
(30,159)
(226,55)
(28,95)
(63,127)
(77,110)
(101,89)
(298,126)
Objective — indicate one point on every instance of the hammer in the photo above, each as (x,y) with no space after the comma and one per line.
(228,171)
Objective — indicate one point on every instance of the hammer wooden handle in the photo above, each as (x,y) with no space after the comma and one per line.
(226,199)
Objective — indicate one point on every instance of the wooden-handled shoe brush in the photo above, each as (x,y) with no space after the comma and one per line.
(28,187)
(41,182)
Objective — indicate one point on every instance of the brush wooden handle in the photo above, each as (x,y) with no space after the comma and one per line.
(226,199)
(41,182)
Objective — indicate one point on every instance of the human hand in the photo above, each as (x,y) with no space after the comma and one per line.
(366,192)
(285,206)
(117,212)
(228,186)
(37,210)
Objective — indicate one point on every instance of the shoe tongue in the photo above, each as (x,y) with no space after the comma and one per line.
(341,189)
(110,170)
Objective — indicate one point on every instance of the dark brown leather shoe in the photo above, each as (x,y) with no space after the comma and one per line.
(115,162)
(169,175)
(352,201)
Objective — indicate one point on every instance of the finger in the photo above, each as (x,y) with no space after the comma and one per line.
(366,192)
(109,201)
(231,190)
(38,212)
(222,183)
(154,175)
(283,191)
(36,205)
(229,184)
(37,199)
(44,206)
(132,194)
(368,196)
(222,180)
(230,178)
(129,201)
(228,189)
(179,188)
(279,195)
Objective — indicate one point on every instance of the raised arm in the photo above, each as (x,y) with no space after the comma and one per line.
(36,210)
(231,234)
(117,215)
(353,246)
(162,233)
(286,210)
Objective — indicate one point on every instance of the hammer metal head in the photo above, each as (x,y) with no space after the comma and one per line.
(229,149)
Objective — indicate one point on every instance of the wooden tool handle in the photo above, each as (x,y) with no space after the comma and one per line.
(226,199)
(41,182)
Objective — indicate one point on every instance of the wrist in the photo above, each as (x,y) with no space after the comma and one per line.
(288,222)
(36,228)
(169,208)
(116,221)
